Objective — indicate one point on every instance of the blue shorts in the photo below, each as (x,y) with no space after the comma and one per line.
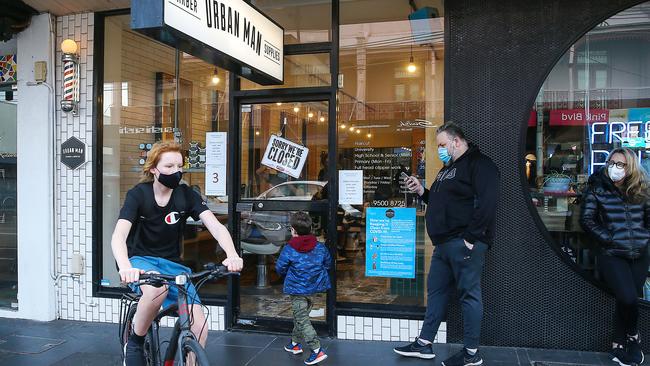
(165,266)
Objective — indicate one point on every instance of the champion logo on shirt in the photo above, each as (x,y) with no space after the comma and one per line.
(172,218)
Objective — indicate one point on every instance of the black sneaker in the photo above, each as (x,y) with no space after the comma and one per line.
(619,356)
(133,354)
(416,349)
(462,358)
(634,351)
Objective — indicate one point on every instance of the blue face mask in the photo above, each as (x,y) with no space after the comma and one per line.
(443,154)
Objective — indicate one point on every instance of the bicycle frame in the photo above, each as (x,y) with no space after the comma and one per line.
(182,326)
(182,309)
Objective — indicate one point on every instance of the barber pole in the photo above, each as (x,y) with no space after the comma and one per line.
(68,80)
(70,83)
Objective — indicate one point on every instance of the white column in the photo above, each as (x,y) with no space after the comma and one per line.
(36,296)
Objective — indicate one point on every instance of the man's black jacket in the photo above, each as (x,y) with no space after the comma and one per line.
(462,200)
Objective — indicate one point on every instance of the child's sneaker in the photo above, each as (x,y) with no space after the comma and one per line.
(315,358)
(293,348)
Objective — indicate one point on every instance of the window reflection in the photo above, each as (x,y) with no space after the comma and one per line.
(391,97)
(595,99)
(144,101)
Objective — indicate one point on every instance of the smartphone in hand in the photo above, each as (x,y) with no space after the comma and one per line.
(404,176)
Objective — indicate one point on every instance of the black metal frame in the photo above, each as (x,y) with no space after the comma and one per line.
(97,161)
(236,98)
(257,97)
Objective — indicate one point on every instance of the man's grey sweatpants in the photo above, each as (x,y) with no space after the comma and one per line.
(454,264)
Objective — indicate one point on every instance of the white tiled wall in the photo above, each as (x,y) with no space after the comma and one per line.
(383,329)
(74,191)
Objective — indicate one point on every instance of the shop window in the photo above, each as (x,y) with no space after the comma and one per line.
(303,21)
(386,118)
(145,101)
(310,70)
(595,99)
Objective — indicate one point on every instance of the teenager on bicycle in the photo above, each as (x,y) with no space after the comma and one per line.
(148,236)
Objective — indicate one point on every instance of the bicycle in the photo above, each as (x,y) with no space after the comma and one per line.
(182,337)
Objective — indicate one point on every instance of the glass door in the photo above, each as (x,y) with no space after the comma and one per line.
(282,168)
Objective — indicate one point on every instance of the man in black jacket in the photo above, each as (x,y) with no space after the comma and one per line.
(460,219)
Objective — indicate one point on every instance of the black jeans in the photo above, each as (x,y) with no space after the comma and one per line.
(626,278)
(455,265)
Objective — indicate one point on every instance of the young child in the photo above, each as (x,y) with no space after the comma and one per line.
(305,262)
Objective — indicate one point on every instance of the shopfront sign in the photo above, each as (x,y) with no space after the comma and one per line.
(390,242)
(285,156)
(231,34)
(577,117)
(628,127)
(73,153)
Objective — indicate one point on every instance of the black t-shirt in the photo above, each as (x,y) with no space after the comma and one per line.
(158,231)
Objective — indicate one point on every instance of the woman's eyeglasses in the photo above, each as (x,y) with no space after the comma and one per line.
(619,164)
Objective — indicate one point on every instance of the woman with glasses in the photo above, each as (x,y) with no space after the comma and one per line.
(616,213)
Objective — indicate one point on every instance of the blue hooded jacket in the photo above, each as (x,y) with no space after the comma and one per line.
(305,262)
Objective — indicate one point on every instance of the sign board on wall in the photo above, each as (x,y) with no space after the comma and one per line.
(351,187)
(216,146)
(285,156)
(73,153)
(228,33)
(390,242)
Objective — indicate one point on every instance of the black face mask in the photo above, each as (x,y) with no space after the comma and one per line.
(170,181)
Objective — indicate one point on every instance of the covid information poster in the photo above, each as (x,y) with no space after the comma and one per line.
(390,242)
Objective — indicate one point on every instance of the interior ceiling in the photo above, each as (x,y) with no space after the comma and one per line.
(63,7)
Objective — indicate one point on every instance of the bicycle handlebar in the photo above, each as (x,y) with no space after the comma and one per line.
(212,271)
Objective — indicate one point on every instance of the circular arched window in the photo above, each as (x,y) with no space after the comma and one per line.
(596,98)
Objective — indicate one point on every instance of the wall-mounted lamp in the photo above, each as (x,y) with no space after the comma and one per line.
(70,100)
(310,115)
(322,119)
(343,126)
(296,109)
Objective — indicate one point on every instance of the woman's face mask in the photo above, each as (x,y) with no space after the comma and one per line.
(615,173)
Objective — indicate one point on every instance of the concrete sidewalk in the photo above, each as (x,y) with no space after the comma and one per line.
(62,342)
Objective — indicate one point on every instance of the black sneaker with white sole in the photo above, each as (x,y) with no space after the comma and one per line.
(620,356)
(416,349)
(463,358)
(634,351)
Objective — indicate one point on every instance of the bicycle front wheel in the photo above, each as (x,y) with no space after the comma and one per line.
(191,352)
